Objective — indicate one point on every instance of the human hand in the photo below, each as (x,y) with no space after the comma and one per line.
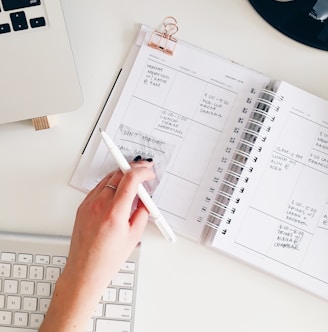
(105,231)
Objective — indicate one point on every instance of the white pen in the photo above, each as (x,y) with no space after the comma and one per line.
(155,213)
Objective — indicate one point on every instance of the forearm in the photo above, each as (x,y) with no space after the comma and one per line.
(73,303)
(104,235)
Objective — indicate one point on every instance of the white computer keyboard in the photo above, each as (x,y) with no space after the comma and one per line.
(29,268)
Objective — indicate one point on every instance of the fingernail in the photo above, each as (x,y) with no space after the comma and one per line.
(137,158)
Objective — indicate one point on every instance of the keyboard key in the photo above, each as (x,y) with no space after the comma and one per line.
(27,288)
(60,261)
(90,326)
(19,271)
(113,325)
(37,22)
(110,295)
(30,303)
(18,4)
(99,310)
(43,289)
(5,317)
(42,259)
(36,272)
(52,273)
(125,296)
(25,258)
(5,270)
(10,286)
(20,319)
(116,311)
(128,266)
(2,301)
(36,320)
(4,28)
(8,257)
(44,305)
(123,279)
(18,20)
(13,302)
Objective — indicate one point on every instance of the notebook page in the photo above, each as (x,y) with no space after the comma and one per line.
(281,220)
(184,101)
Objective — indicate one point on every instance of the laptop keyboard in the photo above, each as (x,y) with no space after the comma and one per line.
(29,268)
(21,15)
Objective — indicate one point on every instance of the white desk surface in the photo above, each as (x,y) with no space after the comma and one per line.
(182,287)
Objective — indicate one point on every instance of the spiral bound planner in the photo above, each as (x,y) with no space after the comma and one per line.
(241,158)
(237,173)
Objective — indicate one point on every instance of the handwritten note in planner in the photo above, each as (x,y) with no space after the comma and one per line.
(287,219)
(183,100)
(131,143)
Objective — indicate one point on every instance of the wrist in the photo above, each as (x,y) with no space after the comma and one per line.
(74,300)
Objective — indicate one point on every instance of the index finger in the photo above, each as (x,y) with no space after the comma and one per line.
(127,190)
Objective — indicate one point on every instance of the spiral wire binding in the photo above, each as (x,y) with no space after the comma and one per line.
(234,179)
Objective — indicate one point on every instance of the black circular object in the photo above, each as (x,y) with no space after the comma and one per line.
(303,20)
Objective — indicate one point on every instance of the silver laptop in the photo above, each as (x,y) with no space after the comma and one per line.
(37,71)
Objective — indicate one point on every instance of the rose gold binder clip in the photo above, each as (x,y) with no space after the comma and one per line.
(164,40)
